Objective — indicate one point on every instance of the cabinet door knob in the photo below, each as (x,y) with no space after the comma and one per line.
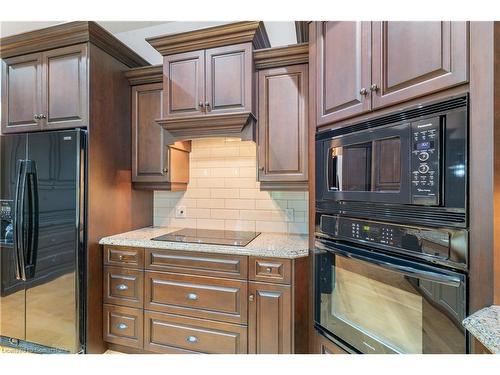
(36,117)
(122,287)
(207,106)
(251,297)
(261,168)
(192,296)
(363,92)
(192,339)
(269,270)
(42,116)
(200,104)
(374,87)
(121,326)
(165,170)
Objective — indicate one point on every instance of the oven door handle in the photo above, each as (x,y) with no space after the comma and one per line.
(407,268)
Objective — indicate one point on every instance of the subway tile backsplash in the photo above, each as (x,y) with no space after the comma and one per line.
(223,193)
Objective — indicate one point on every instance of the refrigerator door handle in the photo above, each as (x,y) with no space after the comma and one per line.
(32,228)
(19,232)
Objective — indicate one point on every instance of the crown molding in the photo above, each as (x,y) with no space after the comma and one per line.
(211,37)
(281,56)
(67,34)
(144,75)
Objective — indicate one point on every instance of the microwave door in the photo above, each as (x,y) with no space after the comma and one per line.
(382,304)
(369,166)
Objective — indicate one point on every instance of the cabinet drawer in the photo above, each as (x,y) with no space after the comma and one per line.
(217,265)
(274,270)
(131,257)
(123,325)
(123,286)
(166,333)
(198,296)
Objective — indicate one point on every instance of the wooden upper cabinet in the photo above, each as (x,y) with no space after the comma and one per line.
(343,73)
(282,125)
(46,90)
(155,164)
(269,319)
(411,59)
(228,78)
(184,80)
(21,93)
(64,94)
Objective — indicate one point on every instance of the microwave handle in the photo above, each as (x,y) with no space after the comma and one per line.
(385,262)
(333,178)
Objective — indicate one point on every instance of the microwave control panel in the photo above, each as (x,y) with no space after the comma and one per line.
(425,163)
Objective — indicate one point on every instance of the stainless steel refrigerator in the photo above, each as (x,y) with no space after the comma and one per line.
(42,241)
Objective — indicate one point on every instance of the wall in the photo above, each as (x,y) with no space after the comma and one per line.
(223,193)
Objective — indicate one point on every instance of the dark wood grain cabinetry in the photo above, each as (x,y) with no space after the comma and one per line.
(364,66)
(203,303)
(208,77)
(46,90)
(270,319)
(155,164)
(282,118)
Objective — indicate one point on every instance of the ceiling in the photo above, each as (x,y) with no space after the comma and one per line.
(133,33)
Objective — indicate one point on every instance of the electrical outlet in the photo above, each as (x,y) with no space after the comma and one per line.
(289,214)
(180,212)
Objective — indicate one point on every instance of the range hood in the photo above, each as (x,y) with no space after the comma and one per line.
(209,81)
(231,125)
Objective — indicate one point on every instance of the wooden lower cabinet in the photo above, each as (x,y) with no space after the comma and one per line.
(168,301)
(168,333)
(325,346)
(123,325)
(270,319)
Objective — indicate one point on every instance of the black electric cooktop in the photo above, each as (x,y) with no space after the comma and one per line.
(209,236)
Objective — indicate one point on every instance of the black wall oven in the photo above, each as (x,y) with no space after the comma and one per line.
(391,254)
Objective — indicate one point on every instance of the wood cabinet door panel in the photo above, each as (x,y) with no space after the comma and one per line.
(228,78)
(343,69)
(201,264)
(283,123)
(184,82)
(166,333)
(21,93)
(411,59)
(65,88)
(149,151)
(123,325)
(123,286)
(198,296)
(269,319)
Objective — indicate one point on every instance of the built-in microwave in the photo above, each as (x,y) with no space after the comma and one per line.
(408,166)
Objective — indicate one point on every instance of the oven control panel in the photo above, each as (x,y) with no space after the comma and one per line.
(425,163)
(435,243)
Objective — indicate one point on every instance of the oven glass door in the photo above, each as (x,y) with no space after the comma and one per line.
(382,304)
(369,166)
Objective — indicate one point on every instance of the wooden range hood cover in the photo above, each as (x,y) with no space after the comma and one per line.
(237,124)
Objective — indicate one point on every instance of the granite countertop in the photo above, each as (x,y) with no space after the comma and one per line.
(279,245)
(484,325)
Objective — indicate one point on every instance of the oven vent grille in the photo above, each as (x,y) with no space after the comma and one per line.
(409,114)
(432,216)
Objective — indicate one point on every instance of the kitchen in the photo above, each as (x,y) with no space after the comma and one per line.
(235,194)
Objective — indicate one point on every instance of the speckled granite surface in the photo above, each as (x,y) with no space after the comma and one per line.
(279,245)
(485,326)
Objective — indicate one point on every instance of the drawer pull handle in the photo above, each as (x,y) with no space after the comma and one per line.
(122,287)
(251,297)
(269,270)
(192,296)
(121,326)
(125,258)
(192,339)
